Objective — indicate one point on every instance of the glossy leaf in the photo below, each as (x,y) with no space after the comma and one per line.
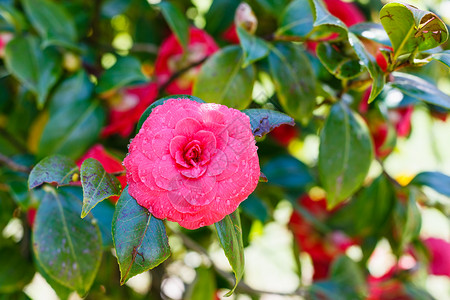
(55,168)
(103,212)
(297,19)
(177,22)
(53,23)
(14,17)
(160,101)
(345,154)
(371,31)
(255,208)
(97,185)
(229,232)
(203,287)
(420,89)
(60,241)
(410,28)
(337,62)
(288,172)
(254,48)
(349,277)
(275,7)
(443,57)
(370,63)
(264,121)
(294,80)
(139,238)
(35,68)
(323,18)
(125,72)
(15,271)
(222,80)
(216,20)
(71,130)
(435,180)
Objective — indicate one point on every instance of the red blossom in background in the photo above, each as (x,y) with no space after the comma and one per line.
(109,162)
(284,134)
(440,256)
(230,35)
(4,39)
(347,12)
(192,163)
(323,250)
(128,107)
(171,59)
(386,288)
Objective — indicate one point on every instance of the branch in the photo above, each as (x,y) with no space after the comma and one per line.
(13,165)
(118,173)
(241,287)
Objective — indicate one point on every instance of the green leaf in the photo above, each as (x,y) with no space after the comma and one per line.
(53,23)
(264,121)
(370,63)
(15,271)
(222,80)
(203,287)
(61,291)
(288,172)
(139,238)
(297,19)
(254,48)
(443,57)
(294,80)
(125,72)
(13,17)
(348,275)
(435,180)
(275,7)
(337,61)
(216,20)
(160,101)
(76,88)
(68,248)
(35,68)
(411,29)
(421,89)
(324,20)
(345,154)
(55,168)
(103,213)
(97,185)
(371,31)
(72,129)
(177,22)
(229,232)
(255,208)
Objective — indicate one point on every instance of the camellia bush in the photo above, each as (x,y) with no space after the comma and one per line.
(148,147)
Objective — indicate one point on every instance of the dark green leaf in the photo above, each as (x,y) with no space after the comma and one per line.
(35,68)
(177,22)
(435,180)
(53,23)
(222,80)
(348,275)
(97,185)
(55,168)
(72,129)
(411,29)
(68,248)
(370,63)
(139,238)
(297,19)
(287,171)
(103,213)
(421,89)
(275,7)
(126,71)
(255,208)
(324,19)
(216,20)
(77,88)
(371,31)
(254,48)
(328,290)
(14,17)
(345,154)
(294,80)
(337,62)
(15,270)
(158,102)
(229,232)
(265,120)
(443,57)
(203,287)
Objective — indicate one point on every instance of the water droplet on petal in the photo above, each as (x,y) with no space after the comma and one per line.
(228,202)
(159,183)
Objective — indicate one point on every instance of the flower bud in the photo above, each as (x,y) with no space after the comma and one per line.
(245,18)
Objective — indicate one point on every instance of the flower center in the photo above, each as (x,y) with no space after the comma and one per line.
(192,153)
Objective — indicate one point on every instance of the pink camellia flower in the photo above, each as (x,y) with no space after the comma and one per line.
(192,163)
(127,108)
(5,37)
(440,256)
(171,59)
(110,163)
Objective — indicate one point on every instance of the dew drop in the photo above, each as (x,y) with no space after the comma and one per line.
(201,224)
(228,202)
(159,183)
(164,158)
